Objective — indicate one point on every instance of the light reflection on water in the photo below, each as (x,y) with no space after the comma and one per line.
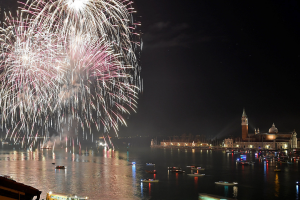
(107,174)
(86,175)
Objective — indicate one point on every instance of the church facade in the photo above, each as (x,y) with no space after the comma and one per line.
(273,139)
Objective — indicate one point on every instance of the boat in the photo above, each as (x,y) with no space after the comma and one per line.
(53,163)
(54,196)
(200,168)
(192,166)
(226,183)
(60,167)
(244,163)
(150,164)
(173,168)
(149,180)
(151,171)
(196,174)
(213,197)
(277,170)
(46,148)
(177,171)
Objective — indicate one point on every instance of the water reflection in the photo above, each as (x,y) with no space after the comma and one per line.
(196,182)
(276,185)
(297,191)
(86,175)
(226,191)
(142,191)
(235,191)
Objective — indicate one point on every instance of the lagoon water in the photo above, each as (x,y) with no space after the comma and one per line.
(101,174)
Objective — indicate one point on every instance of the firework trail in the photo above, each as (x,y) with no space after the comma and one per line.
(68,61)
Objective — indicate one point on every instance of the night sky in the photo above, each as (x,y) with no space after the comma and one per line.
(204,61)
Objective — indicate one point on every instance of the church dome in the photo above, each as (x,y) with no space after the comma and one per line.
(273,129)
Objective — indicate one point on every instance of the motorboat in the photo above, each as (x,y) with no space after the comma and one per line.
(226,183)
(53,196)
(191,166)
(149,180)
(200,168)
(46,148)
(177,171)
(244,163)
(151,171)
(196,174)
(60,167)
(150,164)
(173,168)
(277,170)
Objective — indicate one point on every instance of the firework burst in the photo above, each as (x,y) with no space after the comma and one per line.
(68,61)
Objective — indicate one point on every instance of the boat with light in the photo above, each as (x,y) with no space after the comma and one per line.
(54,196)
(60,167)
(196,174)
(151,171)
(150,164)
(277,169)
(149,180)
(177,171)
(174,168)
(226,183)
(200,168)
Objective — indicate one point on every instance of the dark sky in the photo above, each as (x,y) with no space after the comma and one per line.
(204,61)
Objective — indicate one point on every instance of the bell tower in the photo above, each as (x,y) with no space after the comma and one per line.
(244,125)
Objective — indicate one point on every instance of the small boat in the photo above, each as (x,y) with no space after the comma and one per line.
(148,180)
(46,148)
(177,171)
(53,163)
(150,164)
(60,167)
(151,171)
(297,182)
(196,174)
(53,196)
(226,183)
(192,166)
(173,168)
(200,168)
(244,163)
(277,170)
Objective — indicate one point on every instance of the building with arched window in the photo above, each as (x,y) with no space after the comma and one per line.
(273,139)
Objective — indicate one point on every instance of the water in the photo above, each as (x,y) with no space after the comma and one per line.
(101,174)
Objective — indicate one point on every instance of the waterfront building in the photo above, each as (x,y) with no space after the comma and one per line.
(273,139)
(228,143)
(183,144)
